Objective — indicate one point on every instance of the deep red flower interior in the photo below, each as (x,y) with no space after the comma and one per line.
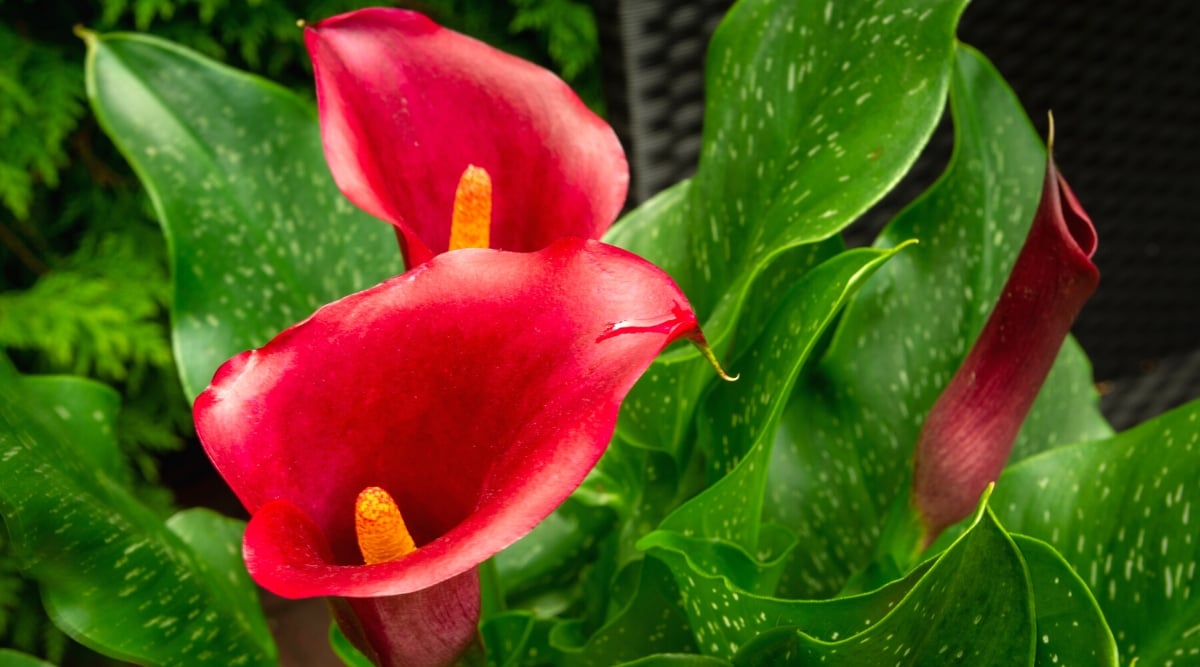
(478,409)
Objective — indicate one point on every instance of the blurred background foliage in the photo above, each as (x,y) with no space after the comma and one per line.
(84,281)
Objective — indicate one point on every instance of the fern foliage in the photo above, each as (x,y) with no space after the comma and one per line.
(568,28)
(43,102)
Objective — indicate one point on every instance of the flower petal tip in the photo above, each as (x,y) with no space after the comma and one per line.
(701,344)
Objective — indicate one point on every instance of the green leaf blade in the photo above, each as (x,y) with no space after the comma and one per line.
(1120,511)
(259,236)
(737,426)
(774,173)
(1071,629)
(112,575)
(845,441)
(973,604)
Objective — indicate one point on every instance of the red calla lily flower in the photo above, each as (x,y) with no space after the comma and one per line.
(478,390)
(407,106)
(969,433)
(402,435)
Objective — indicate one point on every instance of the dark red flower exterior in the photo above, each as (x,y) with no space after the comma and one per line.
(969,434)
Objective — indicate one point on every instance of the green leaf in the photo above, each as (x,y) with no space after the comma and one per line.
(112,575)
(844,449)
(647,620)
(814,111)
(756,572)
(10,658)
(348,653)
(677,660)
(802,132)
(651,621)
(1071,629)
(217,543)
(504,637)
(550,557)
(1120,512)
(658,413)
(738,423)
(973,603)
(980,577)
(87,412)
(259,236)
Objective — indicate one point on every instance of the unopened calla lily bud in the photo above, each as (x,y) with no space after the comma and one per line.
(969,434)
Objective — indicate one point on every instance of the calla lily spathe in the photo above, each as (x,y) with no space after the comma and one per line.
(478,390)
(969,433)
(468,397)
(407,105)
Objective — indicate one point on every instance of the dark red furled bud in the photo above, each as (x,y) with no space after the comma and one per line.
(969,433)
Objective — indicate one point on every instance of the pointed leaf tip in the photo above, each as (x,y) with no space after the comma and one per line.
(88,36)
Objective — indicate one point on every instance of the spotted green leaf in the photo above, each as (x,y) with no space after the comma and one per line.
(1120,511)
(583,561)
(974,604)
(988,599)
(259,236)
(737,426)
(845,442)
(1071,628)
(508,640)
(730,508)
(552,555)
(814,111)
(677,660)
(112,574)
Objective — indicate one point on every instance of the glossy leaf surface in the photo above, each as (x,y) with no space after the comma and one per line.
(1121,513)
(259,236)
(936,612)
(814,110)
(113,575)
(845,444)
